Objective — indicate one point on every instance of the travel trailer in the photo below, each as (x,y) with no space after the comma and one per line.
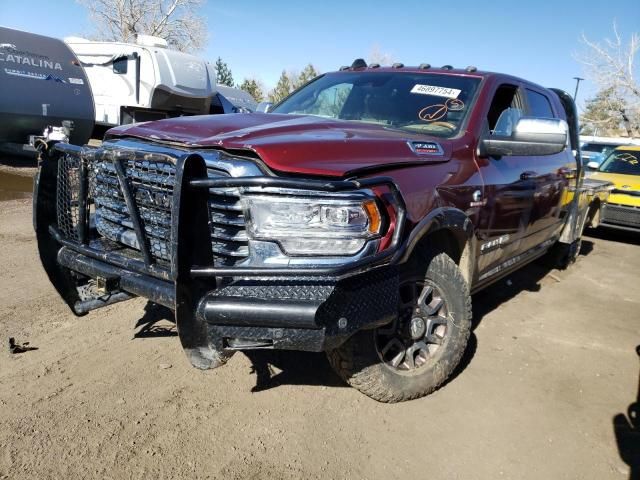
(145,80)
(45,93)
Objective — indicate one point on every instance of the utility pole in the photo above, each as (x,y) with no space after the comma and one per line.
(578,80)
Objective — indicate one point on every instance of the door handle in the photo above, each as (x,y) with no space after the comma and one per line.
(528,175)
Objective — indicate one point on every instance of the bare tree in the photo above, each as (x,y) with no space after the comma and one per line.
(174,20)
(376,55)
(611,66)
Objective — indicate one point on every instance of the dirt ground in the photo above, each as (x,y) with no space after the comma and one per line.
(112,396)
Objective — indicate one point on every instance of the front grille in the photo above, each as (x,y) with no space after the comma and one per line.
(151,184)
(227,223)
(621,215)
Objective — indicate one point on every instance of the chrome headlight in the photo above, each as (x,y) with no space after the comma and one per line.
(313,225)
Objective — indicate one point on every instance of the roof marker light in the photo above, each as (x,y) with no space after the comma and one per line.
(397,65)
(359,63)
(471,69)
(447,67)
(424,66)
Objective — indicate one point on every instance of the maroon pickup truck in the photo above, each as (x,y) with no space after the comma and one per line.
(357,217)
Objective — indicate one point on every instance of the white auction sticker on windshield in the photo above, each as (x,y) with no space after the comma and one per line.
(436,91)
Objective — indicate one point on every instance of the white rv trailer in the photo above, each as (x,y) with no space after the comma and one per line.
(137,82)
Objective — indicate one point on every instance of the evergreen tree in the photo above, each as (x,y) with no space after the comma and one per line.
(309,73)
(283,88)
(606,114)
(252,87)
(223,73)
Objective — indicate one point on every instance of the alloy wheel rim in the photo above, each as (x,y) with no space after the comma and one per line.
(418,331)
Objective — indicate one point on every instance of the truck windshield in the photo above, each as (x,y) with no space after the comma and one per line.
(626,162)
(434,104)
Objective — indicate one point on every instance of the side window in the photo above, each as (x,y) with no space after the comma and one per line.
(506,109)
(120,65)
(539,105)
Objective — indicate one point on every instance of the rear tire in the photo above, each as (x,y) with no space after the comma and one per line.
(563,255)
(417,352)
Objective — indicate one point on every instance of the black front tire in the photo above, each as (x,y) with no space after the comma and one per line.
(359,362)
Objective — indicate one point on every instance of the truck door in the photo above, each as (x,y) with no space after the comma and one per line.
(551,174)
(509,187)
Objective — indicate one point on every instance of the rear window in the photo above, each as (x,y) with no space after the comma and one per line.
(626,162)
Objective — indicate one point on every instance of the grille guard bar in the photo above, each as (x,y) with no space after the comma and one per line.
(390,255)
(191,273)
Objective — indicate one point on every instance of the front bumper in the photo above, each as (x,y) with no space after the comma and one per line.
(293,314)
(621,217)
(217,306)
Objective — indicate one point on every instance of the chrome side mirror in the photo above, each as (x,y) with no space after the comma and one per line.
(542,130)
(593,165)
(531,136)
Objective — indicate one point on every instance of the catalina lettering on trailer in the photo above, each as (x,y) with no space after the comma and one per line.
(26,58)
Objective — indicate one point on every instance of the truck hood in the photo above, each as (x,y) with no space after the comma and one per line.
(295,143)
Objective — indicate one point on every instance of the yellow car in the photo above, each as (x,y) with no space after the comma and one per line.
(622,168)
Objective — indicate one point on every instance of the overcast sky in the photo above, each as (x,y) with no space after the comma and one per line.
(535,40)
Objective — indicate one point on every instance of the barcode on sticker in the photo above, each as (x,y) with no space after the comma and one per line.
(437,91)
